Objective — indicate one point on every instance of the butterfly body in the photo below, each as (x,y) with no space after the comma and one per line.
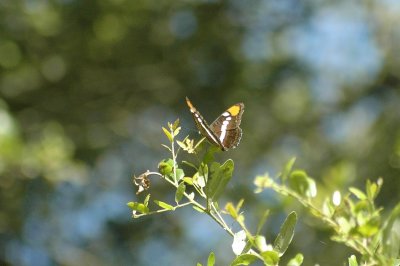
(224,132)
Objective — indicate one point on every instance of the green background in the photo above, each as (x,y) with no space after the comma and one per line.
(85,87)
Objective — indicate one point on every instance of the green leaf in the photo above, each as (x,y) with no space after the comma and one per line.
(175,124)
(176,131)
(245,259)
(179,174)
(181,144)
(231,210)
(270,257)
(189,164)
(262,182)
(139,207)
(211,259)
(390,234)
(188,180)
(287,169)
(168,134)
(262,221)
(209,155)
(165,146)
(198,209)
(297,260)
(179,192)
(353,261)
(302,184)
(199,264)
(219,178)
(358,193)
(373,189)
(201,177)
(146,200)
(261,243)
(164,205)
(286,233)
(165,167)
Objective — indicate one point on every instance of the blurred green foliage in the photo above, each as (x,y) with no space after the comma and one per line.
(86,85)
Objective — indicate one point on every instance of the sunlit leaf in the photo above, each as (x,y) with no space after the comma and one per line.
(164,205)
(353,261)
(286,233)
(390,233)
(288,168)
(211,259)
(168,134)
(231,210)
(302,184)
(188,180)
(245,259)
(261,243)
(165,146)
(179,174)
(175,124)
(198,209)
(358,193)
(176,131)
(262,221)
(262,182)
(219,178)
(179,192)
(140,207)
(271,258)
(146,200)
(297,260)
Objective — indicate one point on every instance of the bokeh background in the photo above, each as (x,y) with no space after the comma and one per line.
(85,87)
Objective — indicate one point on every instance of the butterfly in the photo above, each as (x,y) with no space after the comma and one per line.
(224,132)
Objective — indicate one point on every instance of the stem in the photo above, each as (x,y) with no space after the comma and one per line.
(174,157)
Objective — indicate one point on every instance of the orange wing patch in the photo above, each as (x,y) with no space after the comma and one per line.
(234,110)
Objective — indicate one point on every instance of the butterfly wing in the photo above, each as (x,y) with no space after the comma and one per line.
(226,126)
(202,125)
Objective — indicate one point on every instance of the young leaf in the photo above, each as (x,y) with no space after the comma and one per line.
(198,209)
(179,192)
(209,155)
(245,259)
(262,221)
(211,259)
(176,131)
(302,184)
(146,200)
(182,145)
(353,261)
(164,205)
(136,206)
(297,260)
(389,233)
(358,193)
(231,210)
(286,233)
(219,178)
(287,169)
(271,257)
(261,243)
(179,174)
(165,146)
(175,124)
(168,134)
